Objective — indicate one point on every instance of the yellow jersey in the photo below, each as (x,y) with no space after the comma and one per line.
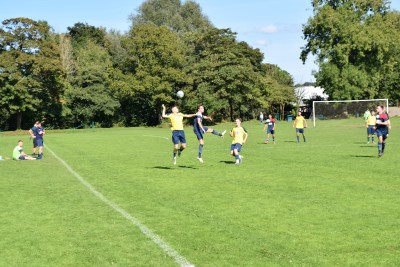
(371,120)
(176,121)
(299,121)
(238,135)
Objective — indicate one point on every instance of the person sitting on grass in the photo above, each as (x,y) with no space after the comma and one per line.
(19,154)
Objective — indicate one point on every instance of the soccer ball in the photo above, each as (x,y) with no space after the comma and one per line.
(180,94)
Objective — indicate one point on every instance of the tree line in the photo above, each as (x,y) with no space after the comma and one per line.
(357,48)
(90,74)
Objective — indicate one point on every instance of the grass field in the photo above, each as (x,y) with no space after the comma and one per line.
(328,202)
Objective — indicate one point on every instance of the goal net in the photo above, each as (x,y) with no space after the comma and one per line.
(343,109)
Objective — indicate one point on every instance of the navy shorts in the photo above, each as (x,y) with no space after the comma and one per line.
(21,158)
(35,142)
(199,133)
(299,130)
(236,146)
(371,129)
(178,136)
(39,142)
(270,131)
(382,132)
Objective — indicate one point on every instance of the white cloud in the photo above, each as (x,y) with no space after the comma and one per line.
(269,29)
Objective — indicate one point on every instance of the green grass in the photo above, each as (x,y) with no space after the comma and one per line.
(327,202)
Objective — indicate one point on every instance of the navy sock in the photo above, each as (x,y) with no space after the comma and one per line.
(379,147)
(215,132)
(200,150)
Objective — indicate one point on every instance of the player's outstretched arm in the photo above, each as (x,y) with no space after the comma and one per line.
(189,115)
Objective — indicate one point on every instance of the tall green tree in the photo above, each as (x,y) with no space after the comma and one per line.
(90,97)
(31,76)
(174,15)
(357,48)
(280,87)
(226,74)
(80,33)
(156,60)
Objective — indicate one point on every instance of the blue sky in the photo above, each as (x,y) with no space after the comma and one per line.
(273,26)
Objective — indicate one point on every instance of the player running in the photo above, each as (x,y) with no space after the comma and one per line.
(270,123)
(382,128)
(300,123)
(178,135)
(199,129)
(239,135)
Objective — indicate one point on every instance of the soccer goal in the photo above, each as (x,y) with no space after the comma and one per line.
(343,109)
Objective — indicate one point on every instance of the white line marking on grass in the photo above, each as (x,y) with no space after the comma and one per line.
(156,136)
(143,228)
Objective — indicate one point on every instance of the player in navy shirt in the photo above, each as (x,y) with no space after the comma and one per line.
(270,123)
(199,129)
(37,133)
(382,129)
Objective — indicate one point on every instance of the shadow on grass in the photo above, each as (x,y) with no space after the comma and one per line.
(290,141)
(162,168)
(370,146)
(227,162)
(174,167)
(188,167)
(362,156)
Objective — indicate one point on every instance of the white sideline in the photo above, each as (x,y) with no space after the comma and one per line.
(143,228)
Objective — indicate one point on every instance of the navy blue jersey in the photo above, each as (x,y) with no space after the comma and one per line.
(195,121)
(36,132)
(382,117)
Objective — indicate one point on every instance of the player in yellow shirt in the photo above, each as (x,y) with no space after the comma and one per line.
(178,135)
(300,123)
(239,135)
(371,123)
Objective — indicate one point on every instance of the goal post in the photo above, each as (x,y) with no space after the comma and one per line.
(340,109)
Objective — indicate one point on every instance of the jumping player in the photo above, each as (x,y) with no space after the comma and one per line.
(270,123)
(239,135)
(382,128)
(199,129)
(371,123)
(178,135)
(300,123)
